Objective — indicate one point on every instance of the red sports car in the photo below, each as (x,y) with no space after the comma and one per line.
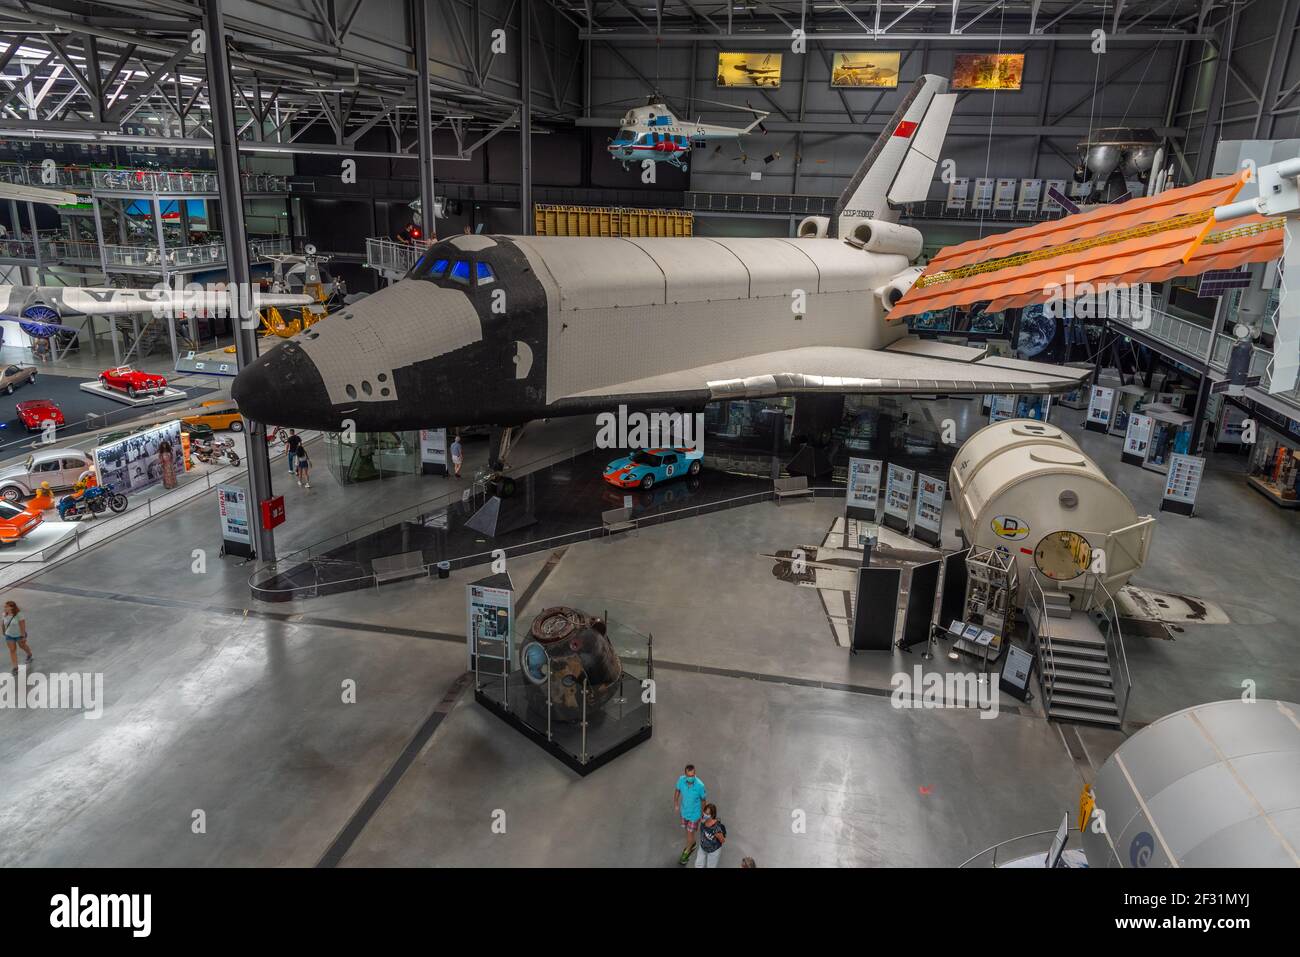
(132,381)
(36,412)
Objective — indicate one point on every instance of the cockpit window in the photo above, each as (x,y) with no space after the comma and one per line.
(485,275)
(624,137)
(460,271)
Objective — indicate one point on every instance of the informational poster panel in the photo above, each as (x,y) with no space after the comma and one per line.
(876,611)
(490,615)
(863,497)
(1004,195)
(1137,439)
(958,191)
(1031,194)
(983,195)
(922,596)
(1101,409)
(142,459)
(1182,483)
(236,534)
(1016,670)
(898,498)
(433,452)
(927,523)
(1001,407)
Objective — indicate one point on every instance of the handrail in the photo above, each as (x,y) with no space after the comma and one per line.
(1113,631)
(1042,637)
(1011,840)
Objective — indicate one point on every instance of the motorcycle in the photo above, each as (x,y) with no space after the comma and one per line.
(92,501)
(216,450)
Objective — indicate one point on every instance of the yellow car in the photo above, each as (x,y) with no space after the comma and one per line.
(218,414)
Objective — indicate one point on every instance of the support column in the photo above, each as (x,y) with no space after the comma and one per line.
(424,126)
(526,117)
(225,148)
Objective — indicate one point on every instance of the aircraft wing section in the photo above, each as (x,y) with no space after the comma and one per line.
(834,369)
(74,301)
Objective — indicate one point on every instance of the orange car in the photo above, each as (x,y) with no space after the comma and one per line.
(217,414)
(16,521)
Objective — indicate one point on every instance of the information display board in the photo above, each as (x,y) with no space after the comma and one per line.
(1101,409)
(236,534)
(1016,671)
(132,463)
(1137,439)
(863,496)
(1001,407)
(927,523)
(433,452)
(489,630)
(898,498)
(1182,483)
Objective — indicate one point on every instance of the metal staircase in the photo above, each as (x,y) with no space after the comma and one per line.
(1083,670)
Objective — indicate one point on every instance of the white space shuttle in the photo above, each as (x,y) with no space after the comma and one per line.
(504,329)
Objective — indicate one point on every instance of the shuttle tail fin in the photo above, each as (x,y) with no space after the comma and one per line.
(900,164)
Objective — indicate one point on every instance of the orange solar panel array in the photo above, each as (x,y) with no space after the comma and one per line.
(1148,239)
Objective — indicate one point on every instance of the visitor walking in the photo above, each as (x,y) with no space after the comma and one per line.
(15,629)
(294,443)
(713,834)
(457,455)
(688,802)
(304,467)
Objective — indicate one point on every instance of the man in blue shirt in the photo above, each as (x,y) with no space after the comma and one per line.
(688,801)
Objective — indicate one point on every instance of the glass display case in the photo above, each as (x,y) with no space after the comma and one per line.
(1171,433)
(1128,400)
(372,456)
(1274,468)
(584,707)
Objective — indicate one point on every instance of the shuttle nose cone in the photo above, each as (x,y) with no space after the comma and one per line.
(284,387)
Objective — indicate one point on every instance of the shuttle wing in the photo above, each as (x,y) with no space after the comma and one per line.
(909,366)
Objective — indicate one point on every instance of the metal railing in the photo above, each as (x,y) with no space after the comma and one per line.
(387,255)
(211,254)
(1106,616)
(33,174)
(992,852)
(773,203)
(1037,618)
(181,182)
(938,209)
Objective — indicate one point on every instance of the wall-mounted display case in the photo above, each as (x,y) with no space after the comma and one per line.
(1274,468)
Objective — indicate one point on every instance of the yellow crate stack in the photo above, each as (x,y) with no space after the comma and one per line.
(559,220)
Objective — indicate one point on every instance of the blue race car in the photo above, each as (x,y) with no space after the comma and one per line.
(648,467)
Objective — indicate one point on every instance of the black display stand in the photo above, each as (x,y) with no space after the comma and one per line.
(894,522)
(1019,662)
(952,606)
(1102,427)
(557,752)
(1180,508)
(922,594)
(1128,458)
(239,549)
(876,611)
(927,536)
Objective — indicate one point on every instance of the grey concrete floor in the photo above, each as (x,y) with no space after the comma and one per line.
(221,704)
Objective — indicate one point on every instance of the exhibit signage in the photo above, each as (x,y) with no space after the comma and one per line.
(1001,407)
(232,501)
(1016,671)
(433,451)
(489,625)
(864,487)
(1101,406)
(898,497)
(1137,439)
(927,524)
(1182,483)
(143,459)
